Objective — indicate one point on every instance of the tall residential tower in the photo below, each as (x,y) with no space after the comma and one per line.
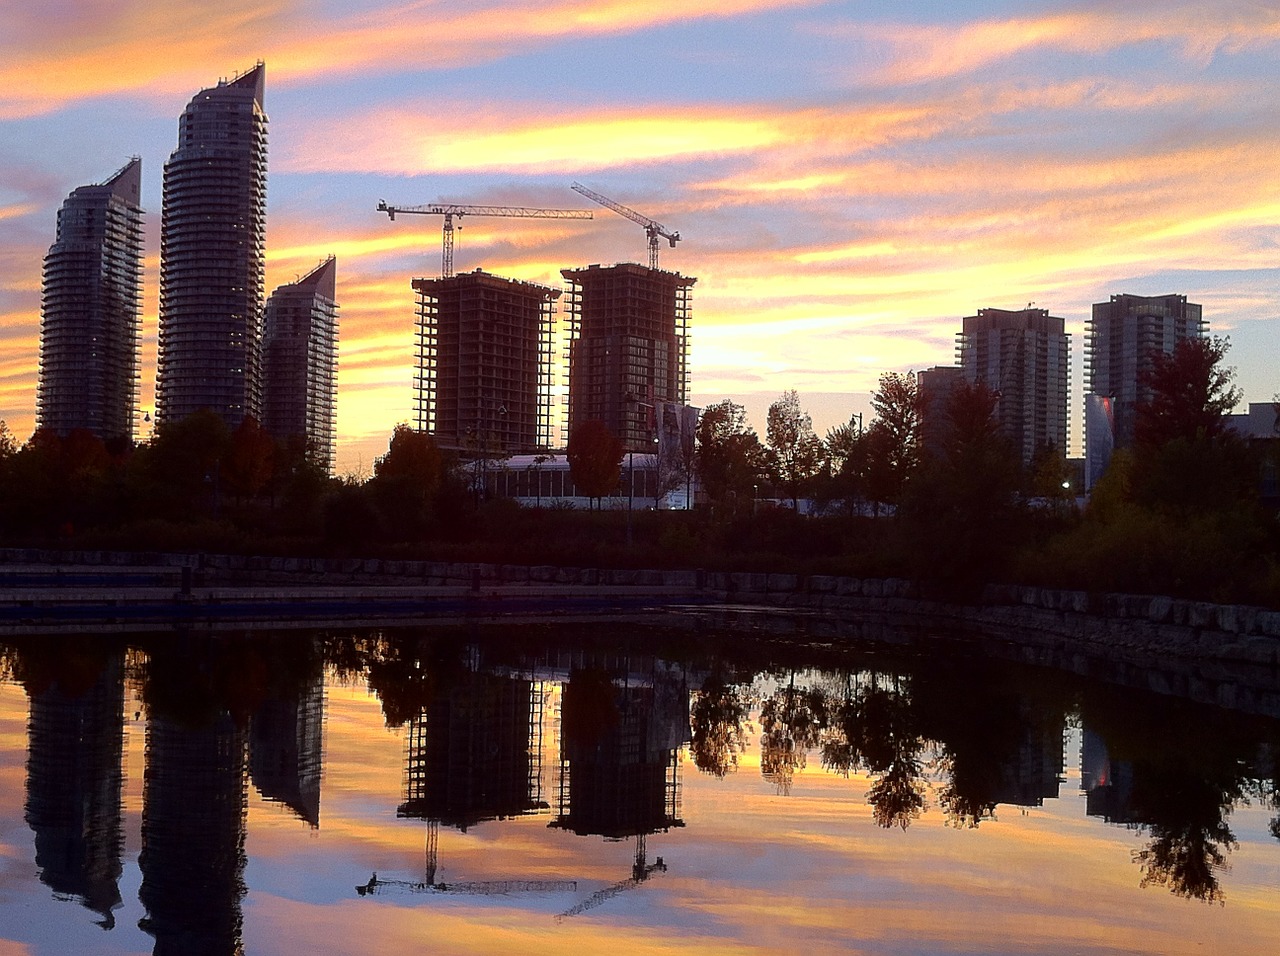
(90,315)
(1024,356)
(1123,336)
(299,362)
(212,247)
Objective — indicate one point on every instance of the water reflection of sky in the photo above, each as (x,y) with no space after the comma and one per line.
(752,871)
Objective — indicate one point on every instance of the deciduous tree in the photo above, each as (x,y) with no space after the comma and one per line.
(794,450)
(250,459)
(729,456)
(595,459)
(894,436)
(1190,393)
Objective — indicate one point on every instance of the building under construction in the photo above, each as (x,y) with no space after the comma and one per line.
(484,363)
(628,347)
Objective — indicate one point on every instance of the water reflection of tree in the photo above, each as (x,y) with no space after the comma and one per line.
(406,670)
(1191,766)
(1185,813)
(995,736)
(720,716)
(874,726)
(791,723)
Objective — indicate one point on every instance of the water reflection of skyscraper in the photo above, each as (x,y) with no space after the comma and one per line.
(193,832)
(1108,784)
(1032,770)
(287,746)
(74,780)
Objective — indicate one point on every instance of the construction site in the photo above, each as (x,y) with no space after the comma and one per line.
(484,362)
(485,379)
(628,348)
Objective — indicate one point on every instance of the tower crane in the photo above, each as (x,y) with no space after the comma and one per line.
(652,228)
(450,211)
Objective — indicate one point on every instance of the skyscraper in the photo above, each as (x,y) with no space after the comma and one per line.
(90,316)
(212,246)
(1024,356)
(1123,336)
(628,347)
(299,362)
(484,362)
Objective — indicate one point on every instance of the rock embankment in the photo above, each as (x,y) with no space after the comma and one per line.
(1142,624)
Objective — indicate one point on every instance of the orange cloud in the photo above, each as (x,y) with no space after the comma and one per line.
(405,139)
(1198,32)
(144,47)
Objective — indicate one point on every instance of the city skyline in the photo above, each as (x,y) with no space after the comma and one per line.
(848,183)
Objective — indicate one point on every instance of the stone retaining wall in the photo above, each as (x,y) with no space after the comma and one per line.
(1151,624)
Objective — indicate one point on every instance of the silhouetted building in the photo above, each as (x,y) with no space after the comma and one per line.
(286,749)
(299,363)
(935,388)
(74,782)
(90,311)
(212,249)
(1260,420)
(1123,336)
(1024,357)
(193,831)
(483,383)
(628,347)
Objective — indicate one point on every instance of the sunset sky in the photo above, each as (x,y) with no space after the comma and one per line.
(849,178)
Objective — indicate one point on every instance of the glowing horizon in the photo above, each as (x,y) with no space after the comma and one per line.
(848,182)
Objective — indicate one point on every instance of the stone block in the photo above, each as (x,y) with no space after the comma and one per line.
(1268,623)
(1202,614)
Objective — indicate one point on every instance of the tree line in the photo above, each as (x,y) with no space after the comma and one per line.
(937,494)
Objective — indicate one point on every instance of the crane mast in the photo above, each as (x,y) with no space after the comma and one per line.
(458,210)
(652,228)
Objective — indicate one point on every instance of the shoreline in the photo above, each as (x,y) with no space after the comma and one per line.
(85,587)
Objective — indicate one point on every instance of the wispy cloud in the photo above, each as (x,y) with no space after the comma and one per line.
(1196,32)
(100,47)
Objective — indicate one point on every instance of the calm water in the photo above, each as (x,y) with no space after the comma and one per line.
(611,788)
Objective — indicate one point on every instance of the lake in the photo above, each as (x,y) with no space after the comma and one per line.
(669,785)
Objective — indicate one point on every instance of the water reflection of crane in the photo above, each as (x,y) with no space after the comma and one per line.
(641,870)
(471,887)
